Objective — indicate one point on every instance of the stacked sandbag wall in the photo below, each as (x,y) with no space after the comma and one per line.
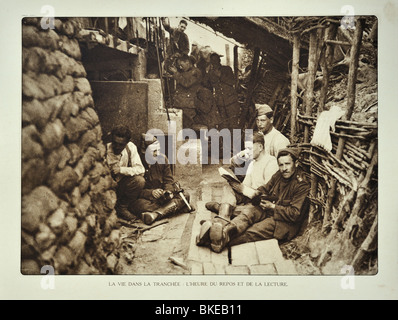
(68,197)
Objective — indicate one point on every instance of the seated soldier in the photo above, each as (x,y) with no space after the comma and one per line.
(259,172)
(126,168)
(274,140)
(161,195)
(283,208)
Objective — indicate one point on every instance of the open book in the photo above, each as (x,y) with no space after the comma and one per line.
(247,191)
(228,175)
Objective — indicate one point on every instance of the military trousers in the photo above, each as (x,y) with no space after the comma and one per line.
(253,224)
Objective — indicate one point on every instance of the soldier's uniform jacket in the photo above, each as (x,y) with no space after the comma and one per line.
(188,84)
(179,41)
(157,176)
(292,206)
(223,85)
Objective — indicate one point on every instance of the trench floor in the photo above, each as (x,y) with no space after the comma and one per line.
(169,247)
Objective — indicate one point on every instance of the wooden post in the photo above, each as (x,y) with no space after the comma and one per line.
(313,190)
(363,190)
(368,245)
(129,27)
(106,26)
(227,55)
(314,177)
(309,92)
(293,87)
(251,85)
(352,78)
(351,85)
(326,65)
(275,95)
(352,73)
(253,73)
(115,37)
(236,67)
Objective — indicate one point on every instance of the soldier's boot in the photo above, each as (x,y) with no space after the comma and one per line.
(213,206)
(123,212)
(172,207)
(203,238)
(222,228)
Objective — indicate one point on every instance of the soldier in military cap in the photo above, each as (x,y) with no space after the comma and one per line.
(274,140)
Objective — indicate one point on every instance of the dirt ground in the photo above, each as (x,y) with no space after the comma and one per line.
(164,248)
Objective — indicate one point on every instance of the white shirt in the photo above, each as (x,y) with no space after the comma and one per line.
(260,171)
(275,141)
(123,158)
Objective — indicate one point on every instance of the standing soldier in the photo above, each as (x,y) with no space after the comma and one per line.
(221,79)
(188,81)
(179,42)
(274,140)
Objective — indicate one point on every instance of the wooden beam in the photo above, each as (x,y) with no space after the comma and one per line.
(227,55)
(275,96)
(106,25)
(353,68)
(352,78)
(351,86)
(326,65)
(336,42)
(293,90)
(369,244)
(309,92)
(128,29)
(236,67)
(363,188)
(250,87)
(115,28)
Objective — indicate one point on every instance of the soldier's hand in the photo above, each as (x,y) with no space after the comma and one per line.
(157,193)
(115,170)
(265,204)
(173,69)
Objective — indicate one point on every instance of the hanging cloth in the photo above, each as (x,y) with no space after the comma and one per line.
(325,122)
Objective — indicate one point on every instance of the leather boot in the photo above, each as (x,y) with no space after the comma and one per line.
(170,208)
(213,206)
(222,229)
(203,238)
(123,212)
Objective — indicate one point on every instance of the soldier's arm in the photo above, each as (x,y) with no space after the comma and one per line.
(188,79)
(227,76)
(136,164)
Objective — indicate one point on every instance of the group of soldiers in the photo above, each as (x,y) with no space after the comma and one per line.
(146,188)
(272,188)
(205,89)
(273,194)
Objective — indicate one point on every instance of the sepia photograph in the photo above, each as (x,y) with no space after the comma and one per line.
(200,151)
(126,122)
